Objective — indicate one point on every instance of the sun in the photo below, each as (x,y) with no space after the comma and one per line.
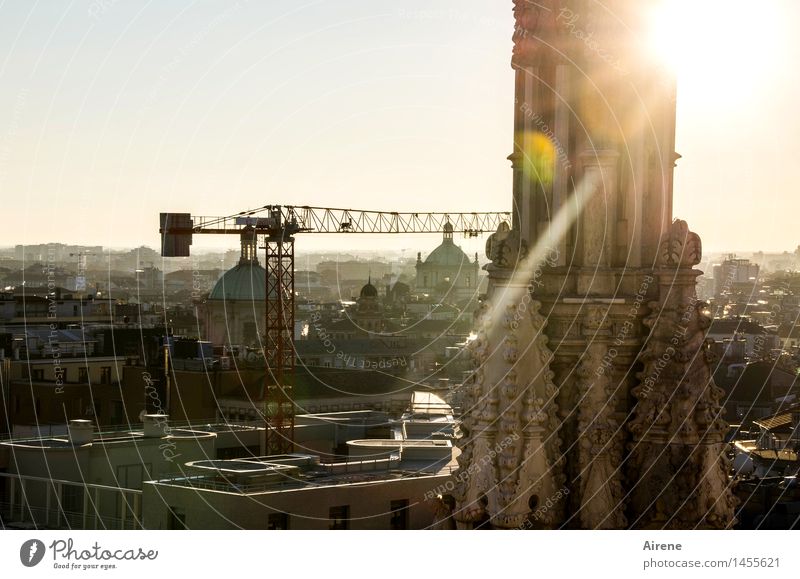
(720,45)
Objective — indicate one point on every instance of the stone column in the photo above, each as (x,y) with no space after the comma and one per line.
(509,466)
(677,463)
(600,448)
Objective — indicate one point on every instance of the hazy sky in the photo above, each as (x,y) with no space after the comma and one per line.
(115,110)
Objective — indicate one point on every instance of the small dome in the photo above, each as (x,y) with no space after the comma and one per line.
(369,291)
(246,281)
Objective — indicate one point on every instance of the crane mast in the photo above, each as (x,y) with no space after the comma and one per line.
(277,225)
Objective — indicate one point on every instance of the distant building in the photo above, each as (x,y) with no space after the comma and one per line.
(447,272)
(384,483)
(755,390)
(759,341)
(84,479)
(234,311)
(735,276)
(354,470)
(337,272)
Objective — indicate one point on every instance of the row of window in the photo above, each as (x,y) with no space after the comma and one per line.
(339,517)
(76,408)
(63,375)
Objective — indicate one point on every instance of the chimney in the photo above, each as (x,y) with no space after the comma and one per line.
(155,425)
(80,431)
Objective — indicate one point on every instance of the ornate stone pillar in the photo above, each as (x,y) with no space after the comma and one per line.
(600,446)
(677,464)
(509,466)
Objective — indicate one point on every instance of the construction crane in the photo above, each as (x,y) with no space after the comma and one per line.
(277,225)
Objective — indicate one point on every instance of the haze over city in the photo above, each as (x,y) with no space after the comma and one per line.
(382,265)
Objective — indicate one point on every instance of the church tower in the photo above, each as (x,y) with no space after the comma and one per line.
(592,403)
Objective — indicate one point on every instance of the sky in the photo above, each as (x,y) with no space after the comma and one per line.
(116,110)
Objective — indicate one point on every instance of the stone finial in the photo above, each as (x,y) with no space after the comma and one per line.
(681,247)
(537,34)
(505,248)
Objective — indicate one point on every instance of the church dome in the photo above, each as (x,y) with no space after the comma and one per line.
(448,253)
(246,281)
(369,291)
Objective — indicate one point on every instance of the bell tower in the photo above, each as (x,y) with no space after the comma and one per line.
(591,342)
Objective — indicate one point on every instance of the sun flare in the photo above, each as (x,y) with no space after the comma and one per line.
(719,44)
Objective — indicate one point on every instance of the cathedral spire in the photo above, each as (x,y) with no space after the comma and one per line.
(620,369)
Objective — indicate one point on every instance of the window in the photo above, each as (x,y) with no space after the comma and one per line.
(339,517)
(105,375)
(83,375)
(398,518)
(118,412)
(130,476)
(37,375)
(277,521)
(61,375)
(176,519)
(249,333)
(72,499)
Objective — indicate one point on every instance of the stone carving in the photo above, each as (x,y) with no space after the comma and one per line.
(681,247)
(540,33)
(677,447)
(509,460)
(505,247)
(600,447)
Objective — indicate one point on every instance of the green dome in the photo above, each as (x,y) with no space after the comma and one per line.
(448,253)
(246,281)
